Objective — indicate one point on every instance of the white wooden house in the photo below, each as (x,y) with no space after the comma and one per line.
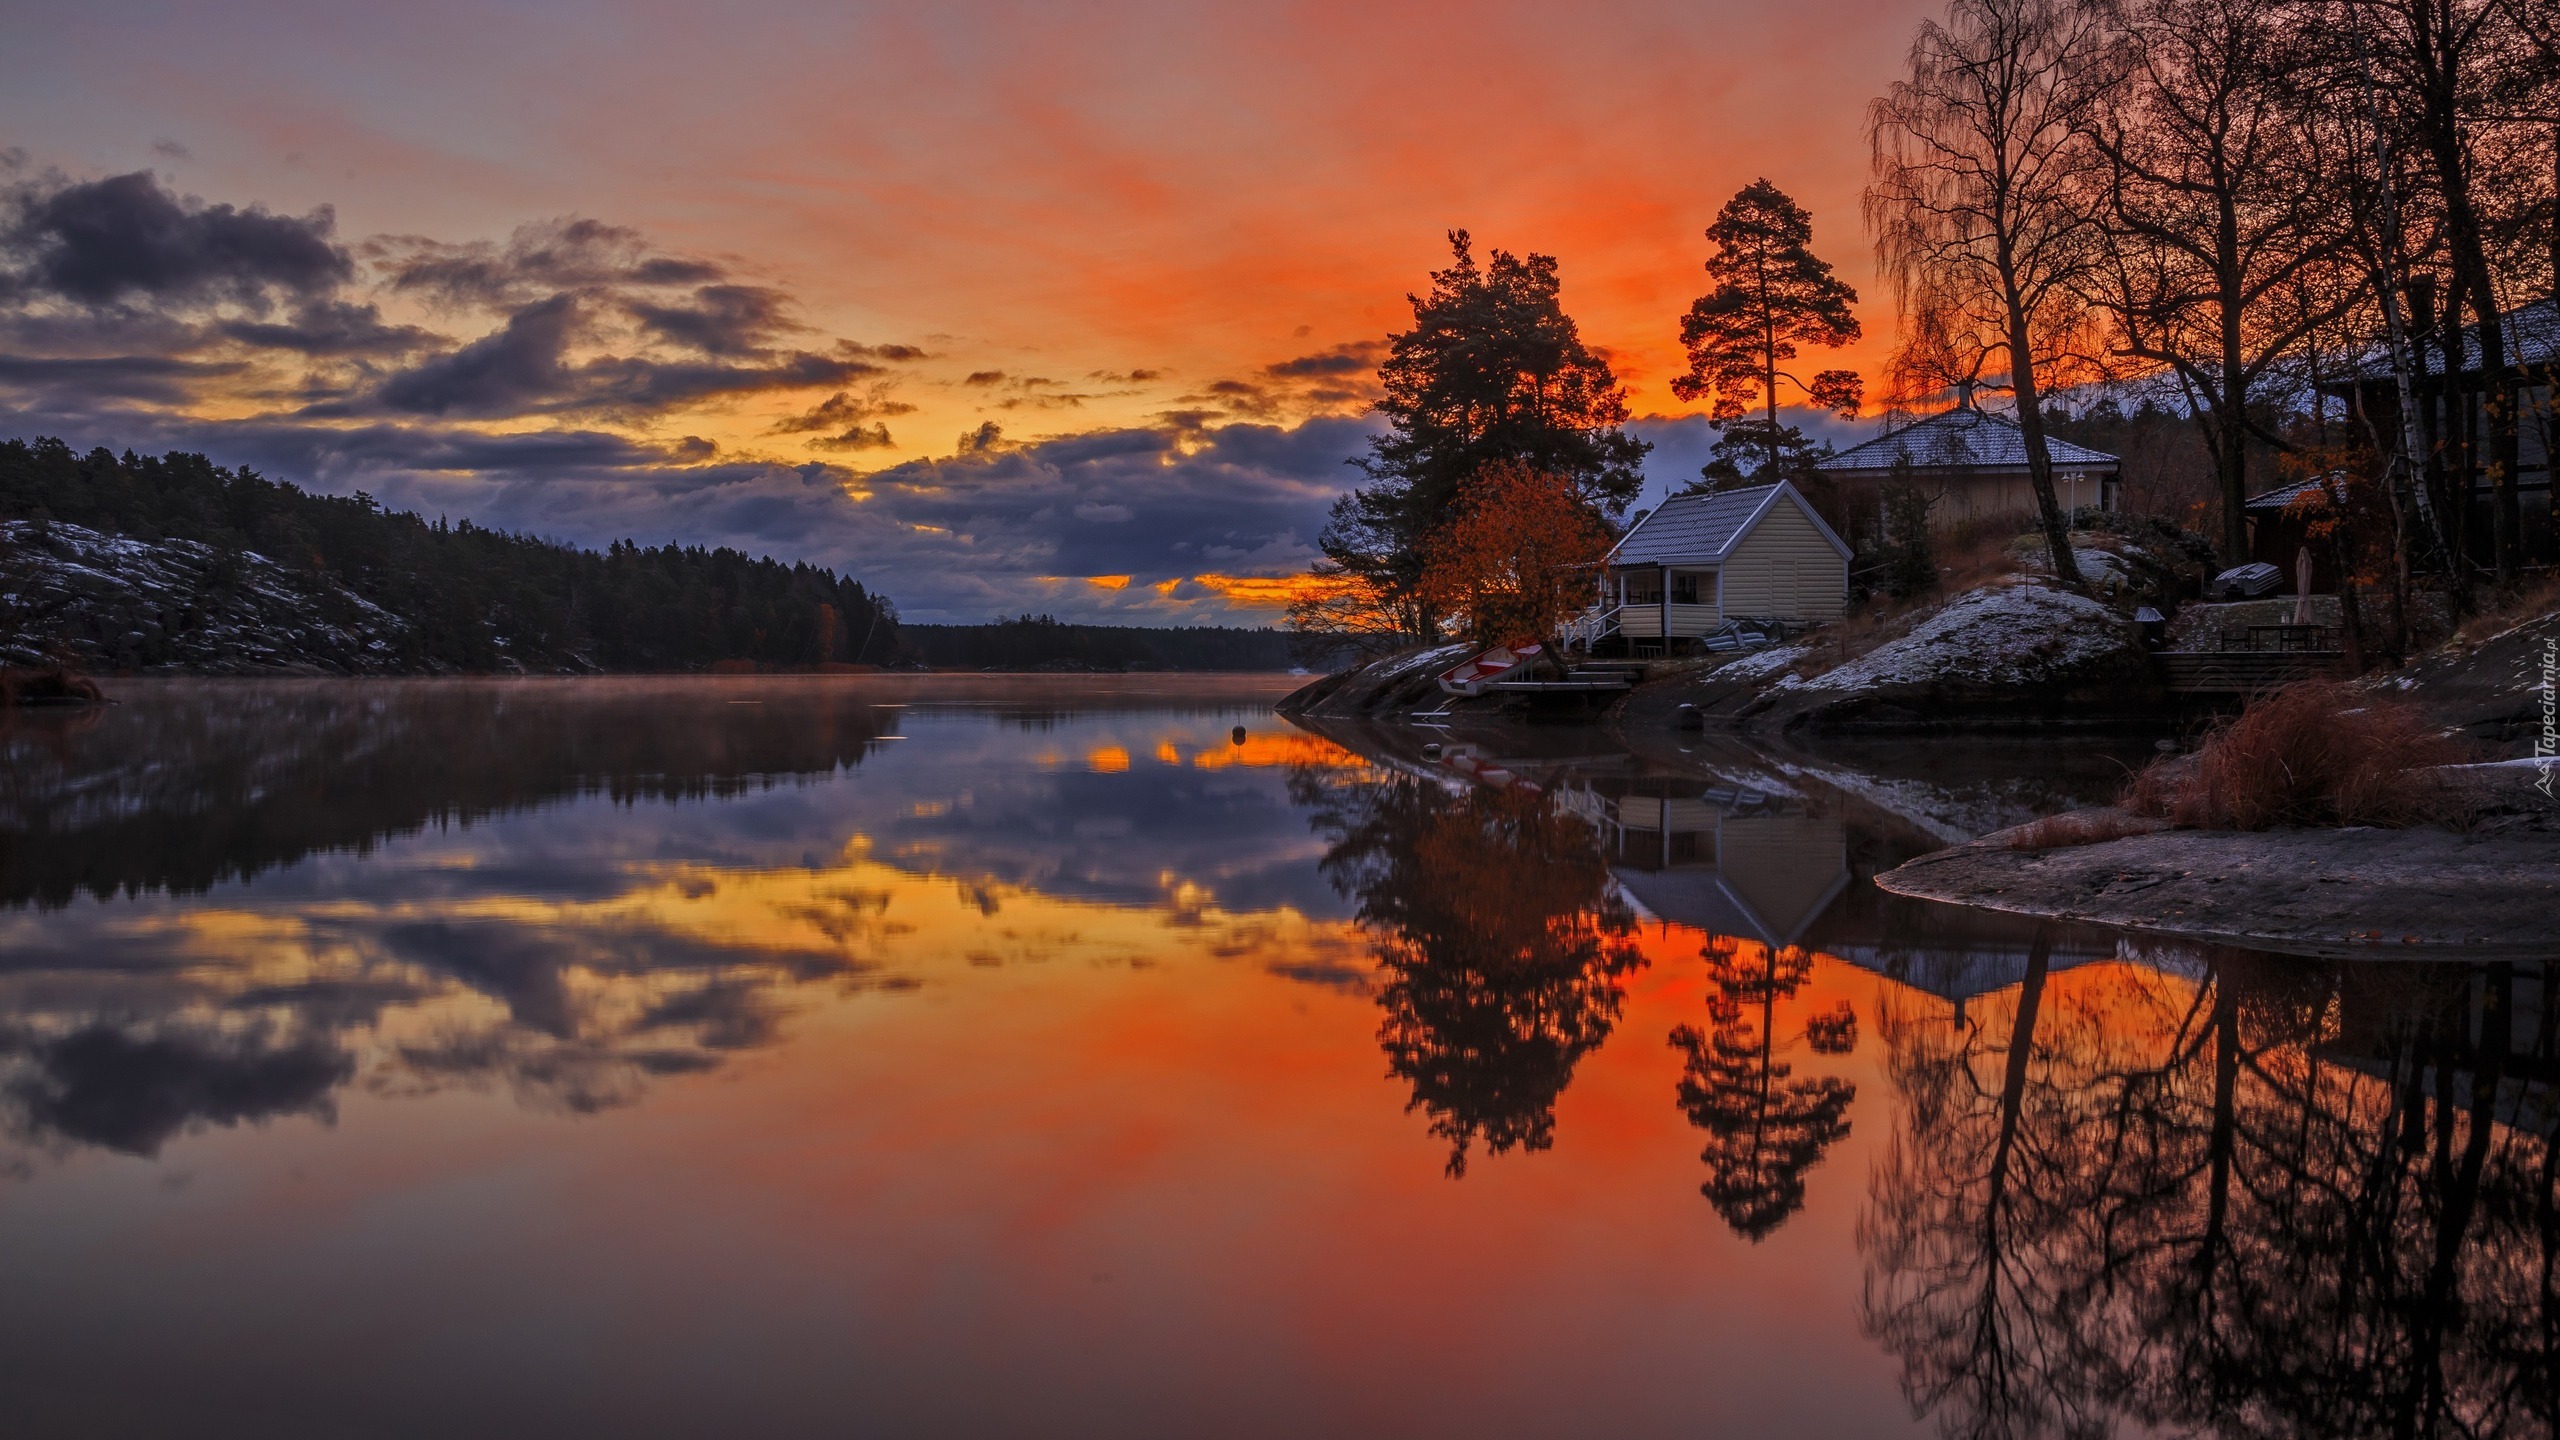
(1687,568)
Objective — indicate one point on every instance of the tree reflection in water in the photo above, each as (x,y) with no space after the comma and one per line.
(1490,913)
(1765,1129)
(2288,1199)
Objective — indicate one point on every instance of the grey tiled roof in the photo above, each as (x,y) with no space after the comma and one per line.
(1690,527)
(2279,497)
(1962,438)
(2531,336)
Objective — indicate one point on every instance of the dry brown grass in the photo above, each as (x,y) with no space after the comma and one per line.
(2534,597)
(2080,827)
(1977,554)
(2313,753)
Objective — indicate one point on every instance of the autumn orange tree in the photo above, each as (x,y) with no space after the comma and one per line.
(1518,559)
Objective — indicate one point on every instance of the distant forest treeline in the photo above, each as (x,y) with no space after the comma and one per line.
(477,599)
(474,599)
(1033,642)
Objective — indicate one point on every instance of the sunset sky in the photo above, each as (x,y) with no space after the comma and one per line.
(765,275)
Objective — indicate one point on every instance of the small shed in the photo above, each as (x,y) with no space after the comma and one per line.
(1972,465)
(2278,534)
(1760,553)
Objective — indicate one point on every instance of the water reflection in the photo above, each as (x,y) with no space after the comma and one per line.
(1500,944)
(2279,1199)
(1766,1125)
(1039,1039)
(227,904)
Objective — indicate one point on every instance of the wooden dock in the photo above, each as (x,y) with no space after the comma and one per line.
(2245,672)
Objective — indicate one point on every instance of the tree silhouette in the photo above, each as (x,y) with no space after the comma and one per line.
(1502,949)
(1772,293)
(1765,1130)
(1982,214)
(1493,370)
(2287,1200)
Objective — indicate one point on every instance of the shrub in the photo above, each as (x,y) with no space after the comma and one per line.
(2312,753)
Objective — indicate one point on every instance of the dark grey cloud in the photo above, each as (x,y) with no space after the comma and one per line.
(152,379)
(1338,380)
(1358,357)
(334,329)
(128,238)
(537,260)
(723,320)
(523,368)
(845,408)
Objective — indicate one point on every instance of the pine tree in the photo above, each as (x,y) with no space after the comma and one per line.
(1772,294)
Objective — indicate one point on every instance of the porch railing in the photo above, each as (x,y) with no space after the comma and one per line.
(1588,628)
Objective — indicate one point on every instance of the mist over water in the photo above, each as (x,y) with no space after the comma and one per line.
(1095,1056)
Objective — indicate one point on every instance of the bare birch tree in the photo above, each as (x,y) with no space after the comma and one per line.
(1979,207)
(2217,230)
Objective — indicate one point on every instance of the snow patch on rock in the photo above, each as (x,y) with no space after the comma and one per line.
(2010,635)
(114,601)
(1764,663)
(1440,657)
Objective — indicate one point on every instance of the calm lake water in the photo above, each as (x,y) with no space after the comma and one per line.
(1094,1057)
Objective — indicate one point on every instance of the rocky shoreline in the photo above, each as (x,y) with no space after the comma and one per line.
(2357,893)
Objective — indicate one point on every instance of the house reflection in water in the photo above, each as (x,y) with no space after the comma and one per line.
(1749,857)
(1721,856)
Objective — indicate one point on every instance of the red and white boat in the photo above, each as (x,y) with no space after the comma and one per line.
(1469,677)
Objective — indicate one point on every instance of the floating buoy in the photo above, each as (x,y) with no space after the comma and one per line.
(1236,736)
(1431,751)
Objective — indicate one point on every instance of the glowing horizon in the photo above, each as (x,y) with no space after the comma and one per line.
(1157,249)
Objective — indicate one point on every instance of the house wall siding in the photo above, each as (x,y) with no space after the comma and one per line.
(1694,619)
(1784,569)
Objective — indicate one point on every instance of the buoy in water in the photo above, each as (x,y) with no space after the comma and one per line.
(1236,736)
(1431,751)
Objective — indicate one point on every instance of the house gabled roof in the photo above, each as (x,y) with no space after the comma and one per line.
(2530,334)
(1701,529)
(1960,439)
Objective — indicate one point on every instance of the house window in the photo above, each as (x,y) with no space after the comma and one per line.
(1684,589)
(1644,587)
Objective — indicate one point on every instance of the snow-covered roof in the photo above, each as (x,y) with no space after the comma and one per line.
(2530,335)
(1699,529)
(2279,497)
(1960,439)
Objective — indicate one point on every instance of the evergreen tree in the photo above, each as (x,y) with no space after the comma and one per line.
(472,598)
(1772,293)
(1493,370)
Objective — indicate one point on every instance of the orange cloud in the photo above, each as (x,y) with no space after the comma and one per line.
(1257,592)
